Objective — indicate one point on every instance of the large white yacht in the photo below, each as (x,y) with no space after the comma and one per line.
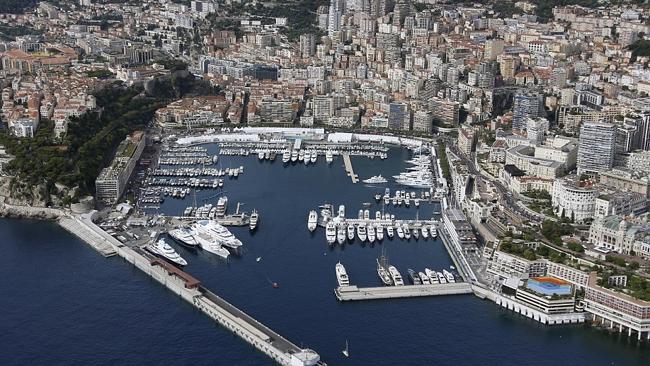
(424,278)
(330,232)
(380,232)
(371,233)
(441,277)
(449,276)
(433,276)
(341,275)
(377,179)
(222,206)
(350,232)
(396,276)
(390,231)
(400,231)
(254,220)
(407,232)
(340,234)
(312,222)
(382,271)
(329,157)
(184,236)
(215,232)
(162,249)
(425,232)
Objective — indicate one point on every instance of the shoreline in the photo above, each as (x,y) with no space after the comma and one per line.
(8,210)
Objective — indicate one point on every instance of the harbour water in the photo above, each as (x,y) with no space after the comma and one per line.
(62,303)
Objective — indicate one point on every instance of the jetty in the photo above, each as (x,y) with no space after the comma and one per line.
(348,168)
(189,288)
(354,293)
(97,242)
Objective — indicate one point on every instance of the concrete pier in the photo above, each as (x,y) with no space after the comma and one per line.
(182,284)
(348,168)
(99,243)
(353,293)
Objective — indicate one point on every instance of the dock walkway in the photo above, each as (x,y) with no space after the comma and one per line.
(352,293)
(99,243)
(348,168)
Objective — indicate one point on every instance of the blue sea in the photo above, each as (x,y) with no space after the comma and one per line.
(61,303)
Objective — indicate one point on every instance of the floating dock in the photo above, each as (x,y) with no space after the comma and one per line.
(348,168)
(354,293)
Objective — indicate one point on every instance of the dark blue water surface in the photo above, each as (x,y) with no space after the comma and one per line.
(62,303)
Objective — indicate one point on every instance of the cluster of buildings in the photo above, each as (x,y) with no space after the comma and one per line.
(547,291)
(57,97)
(196,112)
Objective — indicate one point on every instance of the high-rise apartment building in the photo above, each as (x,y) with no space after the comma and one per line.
(596,148)
(525,105)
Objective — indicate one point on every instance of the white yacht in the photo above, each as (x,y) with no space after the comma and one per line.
(377,179)
(441,277)
(294,156)
(361,232)
(425,232)
(350,232)
(390,232)
(341,275)
(313,157)
(301,155)
(210,231)
(396,276)
(382,271)
(341,211)
(371,233)
(449,276)
(329,157)
(184,236)
(433,277)
(340,234)
(424,278)
(222,206)
(366,214)
(400,231)
(416,233)
(162,249)
(380,233)
(260,155)
(407,232)
(286,156)
(312,221)
(415,278)
(255,217)
(330,232)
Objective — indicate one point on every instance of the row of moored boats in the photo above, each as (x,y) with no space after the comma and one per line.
(430,277)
